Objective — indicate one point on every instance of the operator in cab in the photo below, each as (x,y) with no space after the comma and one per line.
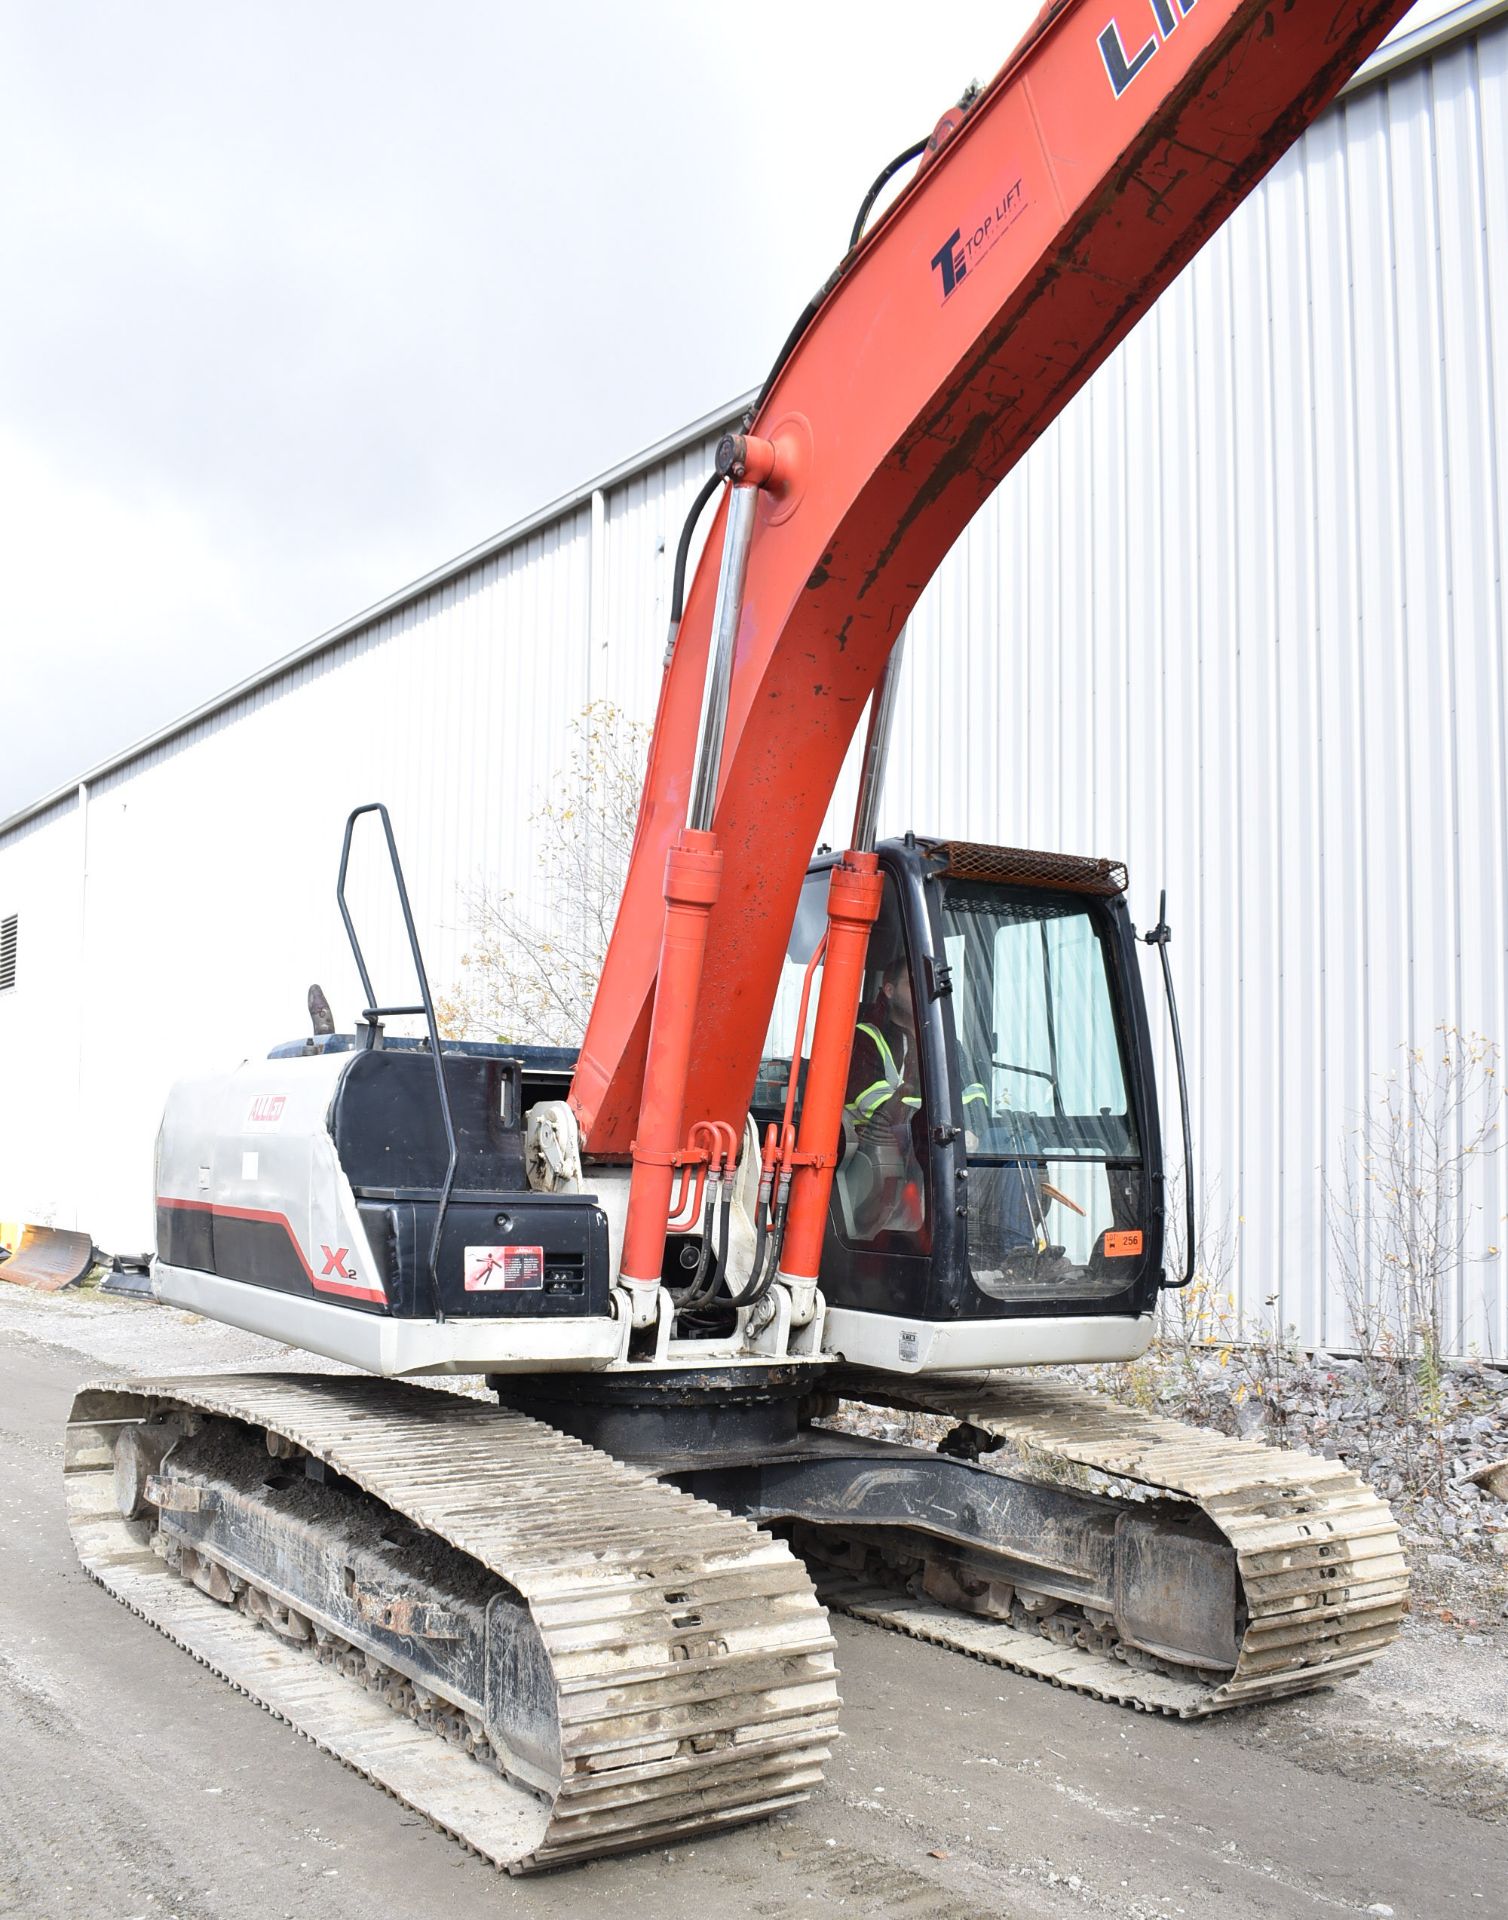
(884,1109)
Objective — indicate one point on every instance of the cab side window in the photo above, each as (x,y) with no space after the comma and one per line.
(880,1191)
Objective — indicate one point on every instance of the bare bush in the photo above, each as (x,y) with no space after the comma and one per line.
(1401,1219)
(532,979)
(1208,1358)
(1195,1321)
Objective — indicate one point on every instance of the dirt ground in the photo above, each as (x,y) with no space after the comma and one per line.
(136,1786)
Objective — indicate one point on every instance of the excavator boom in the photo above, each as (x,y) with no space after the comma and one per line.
(1046,219)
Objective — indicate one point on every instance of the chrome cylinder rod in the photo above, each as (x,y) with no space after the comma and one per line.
(737,538)
(877,749)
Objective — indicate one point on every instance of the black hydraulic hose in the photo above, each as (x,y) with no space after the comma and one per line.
(682,553)
(777,1247)
(688,1294)
(724,1226)
(809,312)
(971,95)
(763,1240)
(913,152)
(759,1279)
(708,1274)
(716,1225)
(683,550)
(767,1259)
(807,316)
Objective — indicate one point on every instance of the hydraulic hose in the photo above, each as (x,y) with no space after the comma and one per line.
(768,1242)
(691,1294)
(716,1227)
(913,152)
(807,316)
(724,1225)
(763,1240)
(683,549)
(809,312)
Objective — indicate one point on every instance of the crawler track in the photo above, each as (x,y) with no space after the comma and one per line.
(1321,1562)
(692,1662)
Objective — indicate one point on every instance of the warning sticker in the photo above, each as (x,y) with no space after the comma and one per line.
(1119,1246)
(504,1269)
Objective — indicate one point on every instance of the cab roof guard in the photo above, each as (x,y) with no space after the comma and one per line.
(1023,867)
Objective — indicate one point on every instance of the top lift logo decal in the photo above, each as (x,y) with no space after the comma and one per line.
(1123,64)
(967,245)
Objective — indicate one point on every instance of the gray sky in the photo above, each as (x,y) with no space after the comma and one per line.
(300,300)
(303,299)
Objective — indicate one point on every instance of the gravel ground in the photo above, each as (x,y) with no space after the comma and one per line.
(137,1785)
(1431,1456)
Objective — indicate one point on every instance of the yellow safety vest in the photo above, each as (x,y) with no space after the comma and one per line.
(866,1103)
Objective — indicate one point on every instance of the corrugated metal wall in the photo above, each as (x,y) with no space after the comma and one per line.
(1239,618)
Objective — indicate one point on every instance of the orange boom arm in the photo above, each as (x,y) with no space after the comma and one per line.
(1044,222)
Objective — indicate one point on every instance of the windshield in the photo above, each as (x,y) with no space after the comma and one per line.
(1056,1190)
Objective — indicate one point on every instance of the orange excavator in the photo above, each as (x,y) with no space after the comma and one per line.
(878,1127)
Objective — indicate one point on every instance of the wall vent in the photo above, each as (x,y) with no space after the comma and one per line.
(7,953)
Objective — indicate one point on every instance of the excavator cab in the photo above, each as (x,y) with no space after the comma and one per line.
(1001,1154)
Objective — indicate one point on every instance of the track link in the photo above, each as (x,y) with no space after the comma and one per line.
(1319,1554)
(692,1661)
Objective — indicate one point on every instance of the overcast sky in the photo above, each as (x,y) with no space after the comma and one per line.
(301,300)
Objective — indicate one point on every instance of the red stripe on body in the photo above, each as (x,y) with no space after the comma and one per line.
(278,1220)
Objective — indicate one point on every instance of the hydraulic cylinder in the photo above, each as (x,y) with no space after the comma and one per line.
(853,906)
(693,873)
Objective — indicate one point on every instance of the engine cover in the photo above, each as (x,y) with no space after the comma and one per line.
(318,1179)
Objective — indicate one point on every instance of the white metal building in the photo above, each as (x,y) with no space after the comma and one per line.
(1239,617)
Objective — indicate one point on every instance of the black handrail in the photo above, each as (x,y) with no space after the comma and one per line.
(372,1015)
(1159,937)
